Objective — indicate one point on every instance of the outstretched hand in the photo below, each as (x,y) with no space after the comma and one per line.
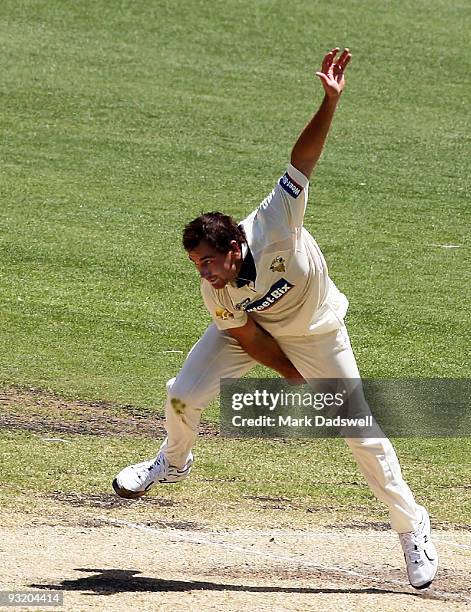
(331,73)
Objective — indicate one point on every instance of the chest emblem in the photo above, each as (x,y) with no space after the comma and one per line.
(278,264)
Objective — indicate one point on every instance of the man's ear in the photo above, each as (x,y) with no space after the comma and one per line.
(235,248)
(235,254)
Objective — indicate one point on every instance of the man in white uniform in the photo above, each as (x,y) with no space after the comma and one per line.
(266,285)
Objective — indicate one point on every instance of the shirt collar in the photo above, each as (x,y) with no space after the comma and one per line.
(248,272)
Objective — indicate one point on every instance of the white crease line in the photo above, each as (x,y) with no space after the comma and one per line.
(443,537)
(351,533)
(321,534)
(460,545)
(437,535)
(454,544)
(447,246)
(260,553)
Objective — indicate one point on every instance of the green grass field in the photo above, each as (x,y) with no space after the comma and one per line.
(234,478)
(123,120)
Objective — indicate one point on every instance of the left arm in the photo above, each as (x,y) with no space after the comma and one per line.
(308,147)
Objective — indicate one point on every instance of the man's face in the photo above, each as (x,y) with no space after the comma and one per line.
(216,267)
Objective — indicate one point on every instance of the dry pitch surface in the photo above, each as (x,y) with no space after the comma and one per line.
(117,564)
(110,554)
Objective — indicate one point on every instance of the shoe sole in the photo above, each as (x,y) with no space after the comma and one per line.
(423,586)
(125,493)
(426,584)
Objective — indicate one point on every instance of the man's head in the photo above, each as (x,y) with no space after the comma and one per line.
(214,242)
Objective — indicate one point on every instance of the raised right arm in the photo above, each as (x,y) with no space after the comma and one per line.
(308,148)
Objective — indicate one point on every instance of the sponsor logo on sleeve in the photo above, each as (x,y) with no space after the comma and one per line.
(272,296)
(224,314)
(290,185)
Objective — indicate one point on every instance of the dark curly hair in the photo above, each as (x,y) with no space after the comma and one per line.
(217,229)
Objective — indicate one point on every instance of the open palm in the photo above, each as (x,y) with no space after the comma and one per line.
(332,72)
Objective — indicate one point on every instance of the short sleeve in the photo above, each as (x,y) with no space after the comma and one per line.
(287,202)
(223,317)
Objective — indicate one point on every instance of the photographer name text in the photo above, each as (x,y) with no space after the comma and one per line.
(305,421)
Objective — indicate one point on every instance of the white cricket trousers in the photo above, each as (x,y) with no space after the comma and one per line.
(217,355)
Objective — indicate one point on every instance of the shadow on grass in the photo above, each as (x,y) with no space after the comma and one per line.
(111,581)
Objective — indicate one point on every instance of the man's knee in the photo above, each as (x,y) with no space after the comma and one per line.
(180,396)
(170,384)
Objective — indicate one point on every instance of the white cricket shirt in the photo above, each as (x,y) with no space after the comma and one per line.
(283,283)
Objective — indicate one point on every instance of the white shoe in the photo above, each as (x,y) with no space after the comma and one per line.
(420,553)
(135,480)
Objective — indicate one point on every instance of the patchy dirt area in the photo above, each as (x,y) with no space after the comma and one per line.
(118,564)
(106,553)
(36,410)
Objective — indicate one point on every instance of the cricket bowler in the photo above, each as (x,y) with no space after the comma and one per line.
(266,285)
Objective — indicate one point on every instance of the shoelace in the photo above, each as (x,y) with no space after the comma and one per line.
(160,462)
(142,470)
(412,547)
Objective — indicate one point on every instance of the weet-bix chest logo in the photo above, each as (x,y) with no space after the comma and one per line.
(290,185)
(275,293)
